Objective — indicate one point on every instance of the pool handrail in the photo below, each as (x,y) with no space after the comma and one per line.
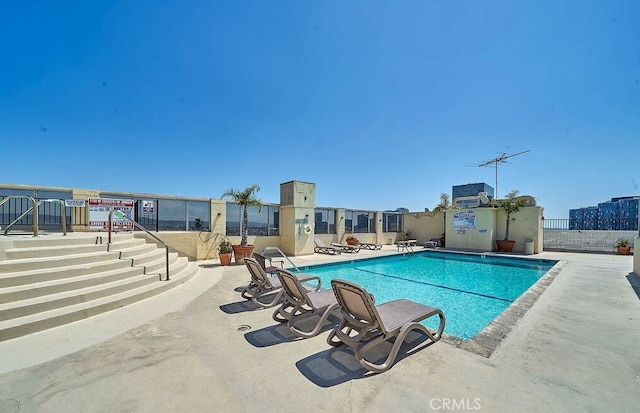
(282,254)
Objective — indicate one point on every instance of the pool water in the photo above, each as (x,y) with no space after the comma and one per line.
(471,289)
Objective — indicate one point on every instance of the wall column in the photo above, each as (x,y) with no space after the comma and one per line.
(297,210)
(80,216)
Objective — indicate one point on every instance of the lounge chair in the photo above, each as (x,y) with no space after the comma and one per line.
(370,245)
(430,244)
(346,247)
(301,304)
(262,284)
(373,324)
(270,268)
(323,248)
(406,244)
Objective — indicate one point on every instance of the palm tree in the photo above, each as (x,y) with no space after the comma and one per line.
(510,204)
(444,202)
(245,198)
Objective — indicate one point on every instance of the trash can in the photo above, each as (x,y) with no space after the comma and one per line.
(528,246)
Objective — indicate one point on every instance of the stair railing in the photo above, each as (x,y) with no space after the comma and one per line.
(122,216)
(33,209)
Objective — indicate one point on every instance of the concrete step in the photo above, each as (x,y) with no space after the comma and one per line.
(159,267)
(28,324)
(49,281)
(45,303)
(58,285)
(83,238)
(120,244)
(131,251)
(152,256)
(29,276)
(42,252)
(59,261)
(35,249)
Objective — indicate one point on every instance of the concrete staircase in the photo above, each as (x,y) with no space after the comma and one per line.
(51,280)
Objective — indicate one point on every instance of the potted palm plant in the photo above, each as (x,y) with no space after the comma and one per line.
(225,250)
(623,247)
(352,240)
(510,205)
(245,198)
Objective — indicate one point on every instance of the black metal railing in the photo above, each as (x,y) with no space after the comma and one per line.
(50,213)
(32,214)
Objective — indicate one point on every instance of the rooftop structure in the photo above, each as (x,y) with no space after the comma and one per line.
(458,191)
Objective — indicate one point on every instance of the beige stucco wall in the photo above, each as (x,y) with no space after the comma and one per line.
(297,209)
(636,256)
(526,223)
(481,238)
(424,225)
(82,214)
(490,225)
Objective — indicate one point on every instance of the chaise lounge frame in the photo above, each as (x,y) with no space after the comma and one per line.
(365,325)
(301,304)
(323,248)
(262,284)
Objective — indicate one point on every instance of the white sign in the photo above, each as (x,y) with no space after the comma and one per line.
(464,220)
(99,209)
(74,203)
(147,207)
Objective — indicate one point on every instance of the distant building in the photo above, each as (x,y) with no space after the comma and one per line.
(458,191)
(619,214)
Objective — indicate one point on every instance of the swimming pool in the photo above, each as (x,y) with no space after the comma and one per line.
(471,289)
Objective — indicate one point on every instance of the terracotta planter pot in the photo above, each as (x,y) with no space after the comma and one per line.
(225,259)
(442,242)
(505,246)
(623,250)
(353,242)
(242,251)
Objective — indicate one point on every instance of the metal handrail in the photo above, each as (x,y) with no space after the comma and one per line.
(35,216)
(123,216)
(34,209)
(282,254)
(405,247)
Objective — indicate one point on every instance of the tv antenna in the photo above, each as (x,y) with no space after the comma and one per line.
(498,160)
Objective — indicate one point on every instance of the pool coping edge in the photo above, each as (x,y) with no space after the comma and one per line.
(490,338)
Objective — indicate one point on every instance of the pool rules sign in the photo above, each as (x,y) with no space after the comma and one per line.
(99,209)
(464,220)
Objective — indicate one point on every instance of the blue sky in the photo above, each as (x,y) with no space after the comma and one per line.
(382,104)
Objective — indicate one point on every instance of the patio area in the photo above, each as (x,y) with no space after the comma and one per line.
(201,347)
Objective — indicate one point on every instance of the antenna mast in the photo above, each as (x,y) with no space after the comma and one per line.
(495,161)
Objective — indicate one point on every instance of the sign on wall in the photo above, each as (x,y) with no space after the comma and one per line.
(464,220)
(74,203)
(99,209)
(147,207)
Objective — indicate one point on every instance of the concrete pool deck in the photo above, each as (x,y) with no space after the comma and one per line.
(201,347)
